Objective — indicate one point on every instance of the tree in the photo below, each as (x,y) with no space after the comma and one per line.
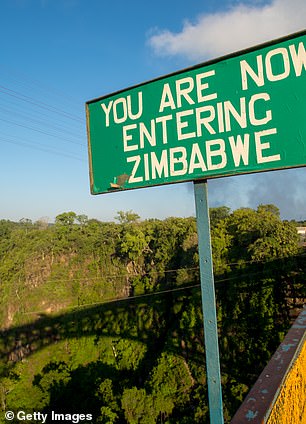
(133,243)
(269,208)
(171,382)
(218,214)
(127,217)
(138,406)
(42,223)
(66,218)
(109,409)
(82,219)
(221,244)
(26,222)
(260,235)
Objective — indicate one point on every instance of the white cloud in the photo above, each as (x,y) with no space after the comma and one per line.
(213,35)
(239,27)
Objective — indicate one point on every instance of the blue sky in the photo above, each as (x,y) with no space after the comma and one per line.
(57,54)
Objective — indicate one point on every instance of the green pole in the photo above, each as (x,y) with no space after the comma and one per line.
(208,304)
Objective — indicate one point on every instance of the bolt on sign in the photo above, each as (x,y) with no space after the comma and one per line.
(242,113)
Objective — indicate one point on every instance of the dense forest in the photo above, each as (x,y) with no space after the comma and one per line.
(105,318)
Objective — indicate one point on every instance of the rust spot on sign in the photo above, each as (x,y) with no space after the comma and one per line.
(119,181)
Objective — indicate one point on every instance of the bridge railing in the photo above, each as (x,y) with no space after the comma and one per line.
(279,395)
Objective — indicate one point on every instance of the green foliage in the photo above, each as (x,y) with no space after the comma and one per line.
(218,214)
(260,235)
(65,219)
(170,382)
(128,217)
(126,354)
(140,359)
(138,406)
(105,394)
(221,243)
(133,243)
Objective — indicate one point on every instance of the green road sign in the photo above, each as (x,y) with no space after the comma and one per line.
(239,114)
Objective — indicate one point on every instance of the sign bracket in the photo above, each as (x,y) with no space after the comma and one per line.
(208,304)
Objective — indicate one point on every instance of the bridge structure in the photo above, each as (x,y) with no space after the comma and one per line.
(279,394)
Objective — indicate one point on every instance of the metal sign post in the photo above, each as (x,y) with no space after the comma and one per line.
(208,304)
